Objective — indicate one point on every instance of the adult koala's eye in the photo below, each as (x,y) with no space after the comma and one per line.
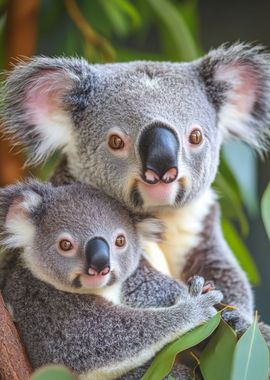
(115,142)
(195,137)
(120,241)
(65,245)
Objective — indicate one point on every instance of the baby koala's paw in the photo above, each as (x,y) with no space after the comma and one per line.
(197,285)
(203,298)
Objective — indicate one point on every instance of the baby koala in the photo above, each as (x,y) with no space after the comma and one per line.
(81,293)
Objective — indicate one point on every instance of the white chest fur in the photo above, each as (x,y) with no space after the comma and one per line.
(183,227)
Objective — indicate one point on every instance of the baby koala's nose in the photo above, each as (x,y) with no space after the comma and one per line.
(97,253)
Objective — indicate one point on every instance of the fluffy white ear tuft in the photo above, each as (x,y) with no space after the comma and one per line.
(237,80)
(150,229)
(50,122)
(18,228)
(36,102)
(244,89)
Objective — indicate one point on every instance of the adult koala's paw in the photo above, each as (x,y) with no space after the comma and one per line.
(239,322)
(265,330)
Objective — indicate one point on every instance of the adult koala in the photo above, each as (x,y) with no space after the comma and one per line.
(149,135)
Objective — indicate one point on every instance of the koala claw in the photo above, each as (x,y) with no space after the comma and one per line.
(208,286)
(195,285)
(236,320)
(201,300)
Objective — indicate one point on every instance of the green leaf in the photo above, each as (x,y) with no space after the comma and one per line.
(45,171)
(218,355)
(116,17)
(181,37)
(235,153)
(125,55)
(266,209)
(190,12)
(240,251)
(163,362)
(227,186)
(3,19)
(53,372)
(130,10)
(251,357)
(3,3)
(228,174)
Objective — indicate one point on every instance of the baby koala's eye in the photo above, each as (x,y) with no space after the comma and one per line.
(65,245)
(115,142)
(120,241)
(195,138)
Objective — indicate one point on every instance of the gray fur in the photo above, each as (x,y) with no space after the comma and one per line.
(130,97)
(214,260)
(86,332)
(255,60)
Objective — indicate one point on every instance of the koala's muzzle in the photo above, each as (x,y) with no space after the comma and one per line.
(158,149)
(97,253)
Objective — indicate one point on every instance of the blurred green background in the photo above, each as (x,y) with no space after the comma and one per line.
(175,30)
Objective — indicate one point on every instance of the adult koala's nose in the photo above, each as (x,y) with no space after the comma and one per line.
(97,253)
(158,149)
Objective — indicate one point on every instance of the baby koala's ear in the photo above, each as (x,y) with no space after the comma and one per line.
(18,204)
(150,228)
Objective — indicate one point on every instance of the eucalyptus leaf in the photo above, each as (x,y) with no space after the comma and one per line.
(190,12)
(116,17)
(130,10)
(229,175)
(52,372)
(3,19)
(240,251)
(230,191)
(182,38)
(251,357)
(236,152)
(218,355)
(266,209)
(3,3)
(163,362)
(125,55)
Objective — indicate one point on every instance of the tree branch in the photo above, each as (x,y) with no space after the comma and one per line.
(20,41)
(13,360)
(88,32)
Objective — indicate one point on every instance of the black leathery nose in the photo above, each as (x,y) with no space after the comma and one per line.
(97,254)
(158,149)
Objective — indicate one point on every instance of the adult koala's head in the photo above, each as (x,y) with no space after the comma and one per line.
(147,133)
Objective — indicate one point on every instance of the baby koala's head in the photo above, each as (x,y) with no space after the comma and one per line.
(72,237)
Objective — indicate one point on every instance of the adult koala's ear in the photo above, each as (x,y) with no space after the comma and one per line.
(18,205)
(237,80)
(35,107)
